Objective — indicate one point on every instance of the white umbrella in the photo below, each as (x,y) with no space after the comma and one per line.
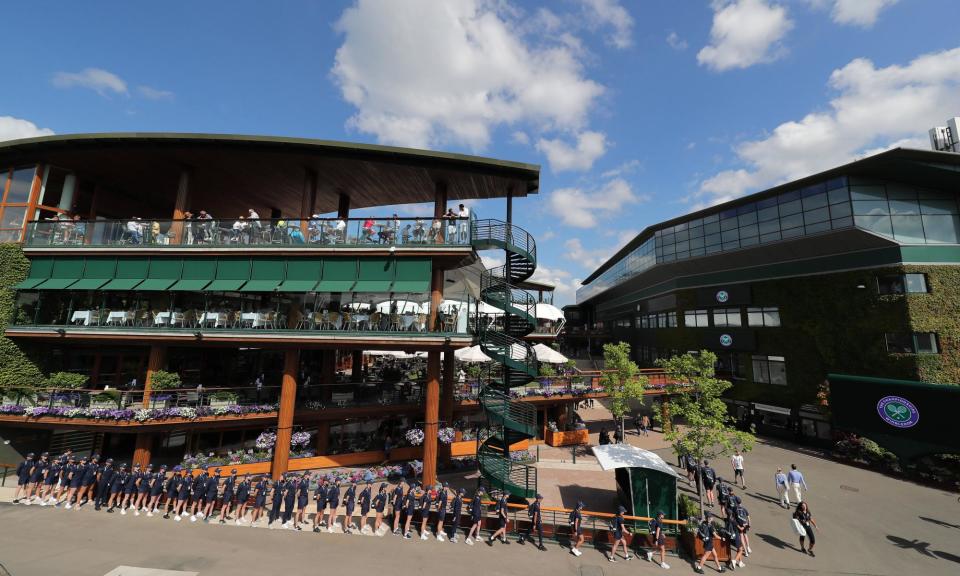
(471,354)
(549,355)
(403,306)
(548,312)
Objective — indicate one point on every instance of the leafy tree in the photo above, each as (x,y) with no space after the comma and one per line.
(163,380)
(621,380)
(66,380)
(695,392)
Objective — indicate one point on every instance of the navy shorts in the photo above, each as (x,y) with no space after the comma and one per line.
(708,545)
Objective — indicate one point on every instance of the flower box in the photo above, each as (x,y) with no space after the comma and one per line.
(694,546)
(105,404)
(571,438)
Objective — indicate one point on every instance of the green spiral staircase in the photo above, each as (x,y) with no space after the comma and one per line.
(509,421)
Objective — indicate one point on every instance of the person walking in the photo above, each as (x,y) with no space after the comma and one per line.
(604,437)
(709,478)
(396,507)
(705,533)
(456,510)
(364,499)
(737,461)
(620,532)
(442,499)
(243,498)
(226,500)
(780,482)
(24,469)
(503,518)
(795,478)
(659,540)
(379,505)
(536,523)
(39,470)
(645,422)
(734,528)
(804,524)
(576,529)
(476,516)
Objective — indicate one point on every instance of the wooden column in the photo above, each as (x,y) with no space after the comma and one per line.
(343,206)
(430,418)
(328,374)
(180,205)
(156,361)
(142,449)
(32,200)
(356,363)
(307,202)
(446,397)
(288,396)
(436,297)
(323,437)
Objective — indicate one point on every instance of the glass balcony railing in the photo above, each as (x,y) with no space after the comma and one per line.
(245,234)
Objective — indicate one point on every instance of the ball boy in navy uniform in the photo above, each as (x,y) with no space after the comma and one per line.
(410,509)
(76,480)
(476,516)
(379,504)
(156,490)
(226,501)
(89,480)
(23,478)
(536,522)
(171,489)
(619,536)
(183,495)
(397,507)
(116,488)
(50,479)
(211,491)
(104,482)
(303,499)
(275,502)
(333,502)
(659,540)
(290,489)
(456,510)
(576,529)
(143,490)
(243,497)
(35,484)
(197,491)
(364,499)
(129,488)
(320,497)
(259,500)
(424,504)
(705,533)
(442,499)
(503,517)
(349,503)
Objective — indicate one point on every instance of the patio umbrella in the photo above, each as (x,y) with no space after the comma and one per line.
(471,354)
(549,355)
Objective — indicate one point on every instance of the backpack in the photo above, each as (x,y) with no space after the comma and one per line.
(709,475)
(703,531)
(743,516)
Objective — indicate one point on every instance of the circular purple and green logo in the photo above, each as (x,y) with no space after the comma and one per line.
(898,412)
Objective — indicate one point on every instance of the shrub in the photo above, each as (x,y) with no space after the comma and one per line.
(112,395)
(686,507)
(68,380)
(163,380)
(224,396)
(547,370)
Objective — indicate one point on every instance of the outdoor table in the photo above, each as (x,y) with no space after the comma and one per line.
(84,316)
(219,319)
(360,319)
(120,317)
(251,317)
(408,320)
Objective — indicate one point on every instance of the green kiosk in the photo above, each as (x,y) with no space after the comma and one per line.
(645,483)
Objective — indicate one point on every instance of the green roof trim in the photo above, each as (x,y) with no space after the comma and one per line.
(224,286)
(376,275)
(121,284)
(302,275)
(89,283)
(163,273)
(40,269)
(335,286)
(893,381)
(129,273)
(260,286)
(185,285)
(266,274)
(65,272)
(413,275)
(155,284)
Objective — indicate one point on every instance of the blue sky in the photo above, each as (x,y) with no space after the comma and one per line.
(637,111)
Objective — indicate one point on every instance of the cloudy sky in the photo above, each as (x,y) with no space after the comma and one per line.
(637,111)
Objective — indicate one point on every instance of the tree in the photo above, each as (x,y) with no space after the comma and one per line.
(163,380)
(621,380)
(708,430)
(66,380)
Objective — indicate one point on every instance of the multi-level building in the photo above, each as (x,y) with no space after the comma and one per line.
(852,271)
(238,263)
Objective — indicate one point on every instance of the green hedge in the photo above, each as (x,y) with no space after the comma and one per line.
(17,368)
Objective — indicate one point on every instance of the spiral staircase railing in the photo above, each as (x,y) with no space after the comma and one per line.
(509,421)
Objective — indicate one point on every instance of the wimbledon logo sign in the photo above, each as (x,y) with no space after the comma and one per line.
(898,412)
(722,296)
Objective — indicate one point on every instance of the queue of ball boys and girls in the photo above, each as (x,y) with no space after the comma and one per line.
(78,481)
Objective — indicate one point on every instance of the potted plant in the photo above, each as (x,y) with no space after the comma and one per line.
(105,399)
(162,380)
(64,383)
(222,399)
(547,371)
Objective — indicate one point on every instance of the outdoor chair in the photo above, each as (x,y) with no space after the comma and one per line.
(374,322)
(334,320)
(347,322)
(394,322)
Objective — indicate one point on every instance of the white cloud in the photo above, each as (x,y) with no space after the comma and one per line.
(863,13)
(565,284)
(520,137)
(583,208)
(15,128)
(874,109)
(591,258)
(100,81)
(611,13)
(547,235)
(563,157)
(676,42)
(424,73)
(744,33)
(628,167)
(151,93)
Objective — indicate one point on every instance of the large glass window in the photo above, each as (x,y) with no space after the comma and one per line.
(727,317)
(20,185)
(912,343)
(696,318)
(902,283)
(770,370)
(766,316)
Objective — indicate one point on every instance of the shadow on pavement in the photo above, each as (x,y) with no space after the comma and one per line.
(939,522)
(592,498)
(921,547)
(764,497)
(774,541)
(947,556)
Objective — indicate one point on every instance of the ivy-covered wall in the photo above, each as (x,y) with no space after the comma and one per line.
(828,324)
(17,368)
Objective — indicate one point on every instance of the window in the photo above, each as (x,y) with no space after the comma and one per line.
(622,323)
(767,316)
(727,317)
(671,319)
(912,343)
(641,321)
(902,284)
(770,370)
(696,319)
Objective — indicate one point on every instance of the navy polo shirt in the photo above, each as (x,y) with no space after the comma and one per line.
(380,502)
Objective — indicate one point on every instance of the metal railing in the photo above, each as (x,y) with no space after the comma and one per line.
(250,233)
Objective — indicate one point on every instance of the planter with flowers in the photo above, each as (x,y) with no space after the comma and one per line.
(106,399)
(223,399)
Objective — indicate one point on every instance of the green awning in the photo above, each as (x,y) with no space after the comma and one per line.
(376,275)
(40,269)
(266,274)
(65,272)
(163,273)
(197,273)
(232,273)
(129,273)
(98,271)
(413,276)
(339,275)
(302,275)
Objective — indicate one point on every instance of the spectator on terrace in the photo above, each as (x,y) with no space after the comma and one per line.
(135,231)
(464,216)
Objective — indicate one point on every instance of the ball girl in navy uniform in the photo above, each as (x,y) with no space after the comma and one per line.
(456,510)
(320,497)
(409,509)
(333,502)
(76,480)
(396,507)
(50,479)
(23,478)
(349,503)
(576,529)
(116,489)
(197,491)
(35,481)
(364,498)
(620,532)
(143,490)
(156,490)
(424,504)
(379,505)
(243,499)
(659,540)
(259,500)
(476,516)
(536,522)
(303,499)
(226,501)
(290,488)
(104,481)
(211,491)
(276,500)
(170,489)
(705,533)
(183,495)
(442,499)
(503,519)
(89,480)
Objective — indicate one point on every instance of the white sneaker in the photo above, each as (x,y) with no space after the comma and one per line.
(237,522)
(136,512)
(649,556)
(664,565)
(424,536)
(69,505)
(184,513)
(741,564)
(441,537)
(469,541)
(749,550)
(43,502)
(576,552)
(193,518)
(123,511)
(149,514)
(177,518)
